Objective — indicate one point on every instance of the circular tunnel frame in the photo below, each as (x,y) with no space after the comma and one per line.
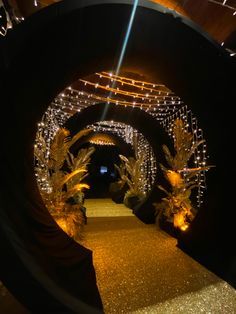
(42,56)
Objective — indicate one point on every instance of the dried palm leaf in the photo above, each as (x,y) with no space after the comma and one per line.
(74,190)
(59,149)
(168,156)
(78,136)
(133,176)
(69,176)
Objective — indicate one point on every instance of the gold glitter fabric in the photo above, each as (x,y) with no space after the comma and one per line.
(104,207)
(140,270)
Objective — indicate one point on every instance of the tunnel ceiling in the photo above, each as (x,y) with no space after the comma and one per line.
(216,17)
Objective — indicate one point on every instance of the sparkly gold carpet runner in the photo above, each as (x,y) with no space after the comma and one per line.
(140,270)
(103,207)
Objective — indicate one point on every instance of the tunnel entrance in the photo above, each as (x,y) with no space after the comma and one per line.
(29,232)
(144,115)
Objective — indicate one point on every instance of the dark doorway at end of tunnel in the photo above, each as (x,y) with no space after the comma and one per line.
(102,171)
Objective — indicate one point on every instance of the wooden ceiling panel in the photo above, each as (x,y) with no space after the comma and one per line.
(216,20)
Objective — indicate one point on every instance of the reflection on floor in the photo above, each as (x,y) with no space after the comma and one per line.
(140,270)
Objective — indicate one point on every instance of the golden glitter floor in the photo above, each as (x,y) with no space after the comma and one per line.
(140,270)
(104,207)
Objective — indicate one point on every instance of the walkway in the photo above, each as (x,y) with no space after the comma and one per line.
(140,270)
(105,207)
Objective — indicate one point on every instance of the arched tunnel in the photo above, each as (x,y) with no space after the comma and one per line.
(39,59)
(138,119)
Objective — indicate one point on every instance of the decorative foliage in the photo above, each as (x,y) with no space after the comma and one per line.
(71,220)
(176,207)
(118,188)
(121,169)
(59,149)
(183,145)
(64,174)
(132,175)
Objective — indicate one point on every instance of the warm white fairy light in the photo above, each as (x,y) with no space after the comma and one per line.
(101,142)
(155,94)
(149,105)
(47,128)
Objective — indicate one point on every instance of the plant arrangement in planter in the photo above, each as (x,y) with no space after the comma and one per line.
(176,209)
(134,179)
(64,174)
